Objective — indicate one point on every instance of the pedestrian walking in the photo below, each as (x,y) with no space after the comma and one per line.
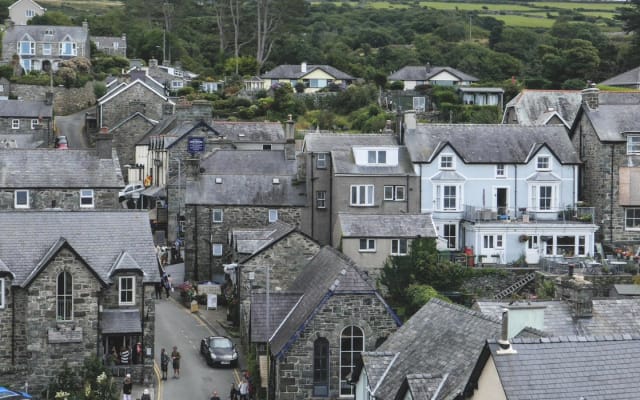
(126,388)
(164,364)
(159,290)
(145,395)
(214,396)
(233,394)
(175,356)
(167,285)
(243,389)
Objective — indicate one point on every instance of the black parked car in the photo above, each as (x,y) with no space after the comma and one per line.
(219,350)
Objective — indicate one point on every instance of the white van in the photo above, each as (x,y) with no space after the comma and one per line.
(130,189)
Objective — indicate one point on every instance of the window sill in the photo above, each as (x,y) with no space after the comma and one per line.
(367,251)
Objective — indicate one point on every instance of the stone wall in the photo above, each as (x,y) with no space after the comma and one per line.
(125,138)
(65,101)
(137,98)
(602,284)
(600,182)
(68,199)
(295,370)
(201,233)
(493,280)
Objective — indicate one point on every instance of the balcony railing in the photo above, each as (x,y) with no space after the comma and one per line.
(569,214)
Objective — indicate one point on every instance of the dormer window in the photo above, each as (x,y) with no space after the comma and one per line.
(446,161)
(377,157)
(633,144)
(543,163)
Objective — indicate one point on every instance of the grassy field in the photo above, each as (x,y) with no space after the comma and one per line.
(579,6)
(441,5)
(83,6)
(524,21)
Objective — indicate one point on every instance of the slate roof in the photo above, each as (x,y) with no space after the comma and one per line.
(99,238)
(376,364)
(386,225)
(250,162)
(329,273)
(25,109)
(427,72)
(616,114)
(20,141)
(627,78)
(15,33)
(250,241)
(628,289)
(280,304)
(424,386)
(143,80)
(530,104)
(609,317)
(344,162)
(474,89)
(477,143)
(120,321)
(594,368)
(108,41)
(54,168)
(294,71)
(237,131)
(136,115)
(327,142)
(440,338)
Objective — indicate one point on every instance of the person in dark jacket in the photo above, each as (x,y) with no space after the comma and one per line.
(126,388)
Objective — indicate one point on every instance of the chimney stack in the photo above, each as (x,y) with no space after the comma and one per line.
(428,67)
(505,344)
(578,293)
(303,67)
(48,98)
(153,63)
(590,96)
(289,134)
(85,25)
(104,143)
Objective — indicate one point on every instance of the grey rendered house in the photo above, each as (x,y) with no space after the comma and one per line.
(64,179)
(22,11)
(359,174)
(369,240)
(44,47)
(605,135)
(313,77)
(507,192)
(438,345)
(111,45)
(78,286)
(236,189)
(338,315)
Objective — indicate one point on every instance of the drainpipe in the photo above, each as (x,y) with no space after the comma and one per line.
(611,196)
(407,193)
(313,208)
(13,325)
(195,240)
(331,199)
(515,190)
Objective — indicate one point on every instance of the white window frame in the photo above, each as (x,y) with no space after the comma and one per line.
(543,163)
(627,218)
(501,171)
(87,194)
(447,162)
(398,243)
(446,237)
(62,46)
(351,354)
(321,199)
(321,161)
(394,193)
(122,290)
(633,144)
(29,13)
(367,245)
(273,215)
(15,199)
(375,157)
(493,241)
(358,199)
(2,300)
(34,123)
(534,196)
(46,49)
(15,124)
(217,215)
(216,250)
(439,196)
(32,48)
(64,296)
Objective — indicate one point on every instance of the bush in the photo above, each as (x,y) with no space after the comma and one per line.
(99,89)
(396,85)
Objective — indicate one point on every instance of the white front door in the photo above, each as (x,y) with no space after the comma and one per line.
(492,248)
(532,253)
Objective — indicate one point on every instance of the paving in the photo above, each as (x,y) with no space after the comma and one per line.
(215,319)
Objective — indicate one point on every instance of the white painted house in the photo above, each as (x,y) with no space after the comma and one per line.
(505,191)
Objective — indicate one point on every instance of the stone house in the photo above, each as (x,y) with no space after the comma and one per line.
(236,189)
(44,47)
(605,135)
(22,11)
(440,343)
(27,116)
(83,286)
(628,79)
(543,107)
(62,179)
(127,133)
(337,316)
(369,240)
(111,45)
(364,174)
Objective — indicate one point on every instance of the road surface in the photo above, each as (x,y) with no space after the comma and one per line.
(72,126)
(176,326)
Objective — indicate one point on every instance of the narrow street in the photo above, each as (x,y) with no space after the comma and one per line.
(72,126)
(176,326)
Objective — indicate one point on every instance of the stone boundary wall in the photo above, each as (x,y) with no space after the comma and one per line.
(65,101)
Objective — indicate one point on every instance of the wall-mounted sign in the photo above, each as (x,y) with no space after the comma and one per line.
(195,145)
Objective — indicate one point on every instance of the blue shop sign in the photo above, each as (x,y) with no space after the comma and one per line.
(196,145)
